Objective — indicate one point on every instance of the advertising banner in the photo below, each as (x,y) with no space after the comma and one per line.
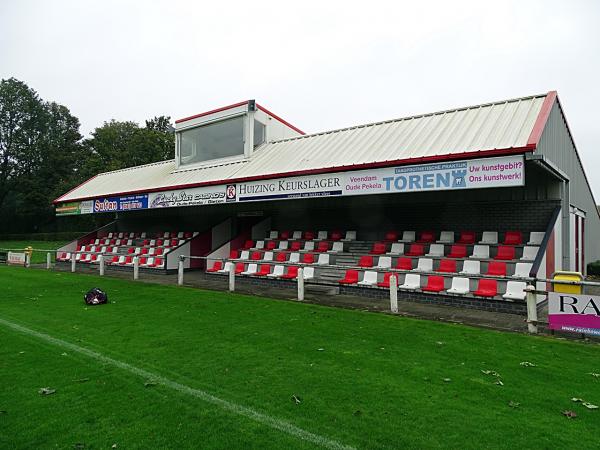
(16,259)
(128,203)
(74,208)
(212,195)
(287,188)
(576,313)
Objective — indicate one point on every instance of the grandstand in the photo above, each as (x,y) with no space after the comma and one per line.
(464,206)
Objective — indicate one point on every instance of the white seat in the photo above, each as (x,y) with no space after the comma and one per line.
(93,248)
(115,250)
(260,245)
(106,241)
(323,259)
(309,273)
(110,235)
(294,258)
(446,237)
(161,265)
(78,257)
(152,242)
(397,249)
(309,246)
(337,247)
(97,242)
(273,235)
(522,270)
(227,268)
(103,249)
(436,250)
(250,270)
(459,286)
(268,256)
(132,235)
(536,238)
(471,268)
(412,281)
(321,235)
(151,251)
(150,261)
(385,262)
(297,235)
(120,236)
(515,290)
(118,242)
(408,236)
(424,265)
(244,255)
(350,236)
(180,235)
(529,253)
(143,235)
(481,252)
(166,235)
(121,259)
(277,272)
(87,257)
(369,279)
(137,251)
(283,245)
(130,242)
(489,237)
(196,233)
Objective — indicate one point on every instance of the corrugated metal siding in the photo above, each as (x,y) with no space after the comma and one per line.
(502,125)
(556,145)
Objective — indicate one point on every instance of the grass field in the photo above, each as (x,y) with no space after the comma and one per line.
(36,257)
(352,378)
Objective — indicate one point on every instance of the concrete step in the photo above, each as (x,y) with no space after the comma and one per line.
(322,289)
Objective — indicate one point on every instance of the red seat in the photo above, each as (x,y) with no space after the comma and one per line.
(513,238)
(158,252)
(234,254)
(323,246)
(386,280)
(159,243)
(239,268)
(256,256)
(391,236)
(217,265)
(379,248)
(404,264)
(336,235)
(130,250)
(351,277)
(505,252)
(144,251)
(248,245)
(128,260)
(143,260)
(466,237)
(309,235)
(94,258)
(365,261)
(284,235)
(308,258)
(113,241)
(435,283)
(146,242)
(296,245)
(487,288)
(114,260)
(281,257)
(158,262)
(447,265)
(415,250)
(496,269)
(458,251)
(174,242)
(187,235)
(427,237)
(271,245)
(290,273)
(265,269)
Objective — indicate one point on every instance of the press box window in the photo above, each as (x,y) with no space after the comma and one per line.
(259,133)
(217,140)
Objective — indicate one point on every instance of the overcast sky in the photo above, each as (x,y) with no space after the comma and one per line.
(319,64)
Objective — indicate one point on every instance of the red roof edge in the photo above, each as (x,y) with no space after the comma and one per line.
(275,116)
(374,165)
(542,118)
(58,200)
(212,111)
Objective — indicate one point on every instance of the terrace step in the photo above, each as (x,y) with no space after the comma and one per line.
(322,289)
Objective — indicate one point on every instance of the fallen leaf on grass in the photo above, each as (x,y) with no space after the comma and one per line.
(440,343)
(514,404)
(447,380)
(296,399)
(595,375)
(490,372)
(576,400)
(150,383)
(81,380)
(527,364)
(46,391)
(63,354)
(320,349)
(569,414)
(589,405)
(499,382)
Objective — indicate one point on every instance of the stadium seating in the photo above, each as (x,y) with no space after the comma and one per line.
(404,264)
(408,236)
(337,247)
(384,262)
(436,250)
(536,238)
(412,282)
(250,270)
(496,269)
(513,238)
(308,258)
(460,286)
(471,268)
(446,237)
(515,290)
(480,252)
(427,237)
(391,236)
(458,251)
(369,279)
(466,237)
(277,272)
(265,269)
(486,288)
(424,265)
(447,265)
(296,246)
(489,237)
(256,256)
(365,261)
(294,258)
(322,247)
(505,252)
(217,265)
(415,250)
(522,270)
(435,283)
(397,249)
(386,280)
(351,277)
(529,253)
(379,248)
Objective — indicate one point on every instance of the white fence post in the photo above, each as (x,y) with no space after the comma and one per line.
(532,319)
(232,278)
(73,262)
(101,265)
(27,260)
(180,271)
(136,267)
(300,284)
(48,260)
(394,293)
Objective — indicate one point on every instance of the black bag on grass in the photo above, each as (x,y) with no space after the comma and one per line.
(95,296)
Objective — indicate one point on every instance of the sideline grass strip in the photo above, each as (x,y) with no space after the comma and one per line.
(265,419)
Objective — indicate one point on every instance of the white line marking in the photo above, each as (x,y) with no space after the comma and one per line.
(259,417)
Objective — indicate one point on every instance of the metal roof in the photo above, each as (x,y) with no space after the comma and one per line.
(506,126)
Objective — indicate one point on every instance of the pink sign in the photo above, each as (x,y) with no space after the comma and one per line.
(575,313)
